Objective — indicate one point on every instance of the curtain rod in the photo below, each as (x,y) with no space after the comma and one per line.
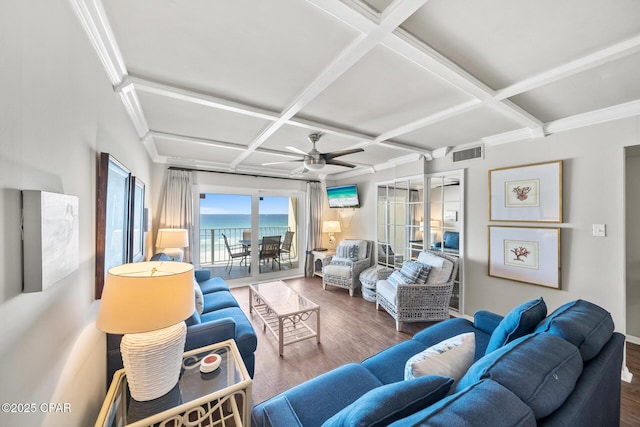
(241,174)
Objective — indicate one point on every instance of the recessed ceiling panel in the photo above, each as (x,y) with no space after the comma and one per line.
(462,129)
(382,92)
(257,52)
(378,5)
(198,152)
(502,42)
(188,119)
(610,84)
(298,137)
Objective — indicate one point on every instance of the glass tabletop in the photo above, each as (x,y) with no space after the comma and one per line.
(192,385)
(282,299)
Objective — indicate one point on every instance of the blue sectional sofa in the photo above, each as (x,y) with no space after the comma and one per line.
(221,319)
(527,369)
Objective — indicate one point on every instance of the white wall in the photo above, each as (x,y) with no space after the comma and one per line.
(57,112)
(593,268)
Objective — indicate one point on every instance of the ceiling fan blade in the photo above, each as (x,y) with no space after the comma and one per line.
(280,163)
(295,150)
(340,163)
(333,154)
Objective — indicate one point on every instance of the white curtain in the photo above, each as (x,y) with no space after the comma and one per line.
(177,207)
(314,223)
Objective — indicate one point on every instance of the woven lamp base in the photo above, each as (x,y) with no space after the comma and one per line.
(152,361)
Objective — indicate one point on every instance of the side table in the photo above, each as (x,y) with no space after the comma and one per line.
(318,256)
(219,398)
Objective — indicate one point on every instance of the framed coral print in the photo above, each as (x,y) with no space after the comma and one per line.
(531,193)
(525,254)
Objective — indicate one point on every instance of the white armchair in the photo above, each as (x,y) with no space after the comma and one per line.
(343,269)
(413,302)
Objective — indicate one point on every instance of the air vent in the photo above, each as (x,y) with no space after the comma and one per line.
(468,154)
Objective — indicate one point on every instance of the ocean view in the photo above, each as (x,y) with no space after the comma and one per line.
(232,225)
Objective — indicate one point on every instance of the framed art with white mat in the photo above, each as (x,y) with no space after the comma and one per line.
(525,254)
(531,193)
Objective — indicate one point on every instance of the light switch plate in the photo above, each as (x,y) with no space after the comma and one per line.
(599,230)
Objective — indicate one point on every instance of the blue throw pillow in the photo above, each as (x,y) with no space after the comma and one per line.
(519,322)
(391,402)
(485,403)
(584,324)
(541,369)
(397,278)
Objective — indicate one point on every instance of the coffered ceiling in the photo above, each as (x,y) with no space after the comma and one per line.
(229,85)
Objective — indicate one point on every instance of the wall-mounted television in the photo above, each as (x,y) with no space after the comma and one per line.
(343,196)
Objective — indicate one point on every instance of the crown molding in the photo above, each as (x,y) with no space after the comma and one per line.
(95,23)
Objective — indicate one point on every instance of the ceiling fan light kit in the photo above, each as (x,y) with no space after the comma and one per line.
(315,160)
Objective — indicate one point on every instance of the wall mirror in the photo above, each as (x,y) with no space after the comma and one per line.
(113,217)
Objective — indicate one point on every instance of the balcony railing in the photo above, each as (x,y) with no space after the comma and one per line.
(212,249)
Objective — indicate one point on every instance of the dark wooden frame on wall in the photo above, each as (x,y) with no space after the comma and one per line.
(106,166)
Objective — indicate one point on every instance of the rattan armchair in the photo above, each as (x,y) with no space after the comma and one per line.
(421,303)
(343,272)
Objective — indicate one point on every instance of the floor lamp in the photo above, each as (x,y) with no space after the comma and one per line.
(148,302)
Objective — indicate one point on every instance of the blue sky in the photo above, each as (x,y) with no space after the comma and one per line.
(241,204)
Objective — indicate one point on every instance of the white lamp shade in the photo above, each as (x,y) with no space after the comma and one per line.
(146,296)
(331,227)
(172,238)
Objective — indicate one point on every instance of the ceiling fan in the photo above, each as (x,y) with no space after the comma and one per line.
(315,160)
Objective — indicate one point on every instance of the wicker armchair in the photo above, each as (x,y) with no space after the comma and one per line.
(421,303)
(342,270)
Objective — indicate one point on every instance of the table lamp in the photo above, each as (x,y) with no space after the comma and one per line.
(148,302)
(171,241)
(331,227)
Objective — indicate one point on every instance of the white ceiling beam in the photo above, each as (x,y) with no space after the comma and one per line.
(96,25)
(395,14)
(620,111)
(603,56)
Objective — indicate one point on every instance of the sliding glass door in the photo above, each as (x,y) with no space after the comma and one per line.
(249,236)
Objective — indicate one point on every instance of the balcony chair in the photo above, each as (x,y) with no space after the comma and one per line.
(419,297)
(343,269)
(235,251)
(286,245)
(270,250)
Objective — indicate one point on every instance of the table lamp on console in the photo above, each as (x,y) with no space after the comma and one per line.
(331,227)
(148,302)
(171,241)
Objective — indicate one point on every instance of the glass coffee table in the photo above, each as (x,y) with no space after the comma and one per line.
(284,312)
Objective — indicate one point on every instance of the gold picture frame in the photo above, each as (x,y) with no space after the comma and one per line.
(525,254)
(527,193)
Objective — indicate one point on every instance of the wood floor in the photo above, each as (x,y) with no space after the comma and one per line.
(351,330)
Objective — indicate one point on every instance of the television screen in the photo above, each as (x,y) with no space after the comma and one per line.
(343,196)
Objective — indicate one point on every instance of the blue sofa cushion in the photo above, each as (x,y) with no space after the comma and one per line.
(391,402)
(388,365)
(245,336)
(541,369)
(485,403)
(218,300)
(318,399)
(585,325)
(215,284)
(519,322)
